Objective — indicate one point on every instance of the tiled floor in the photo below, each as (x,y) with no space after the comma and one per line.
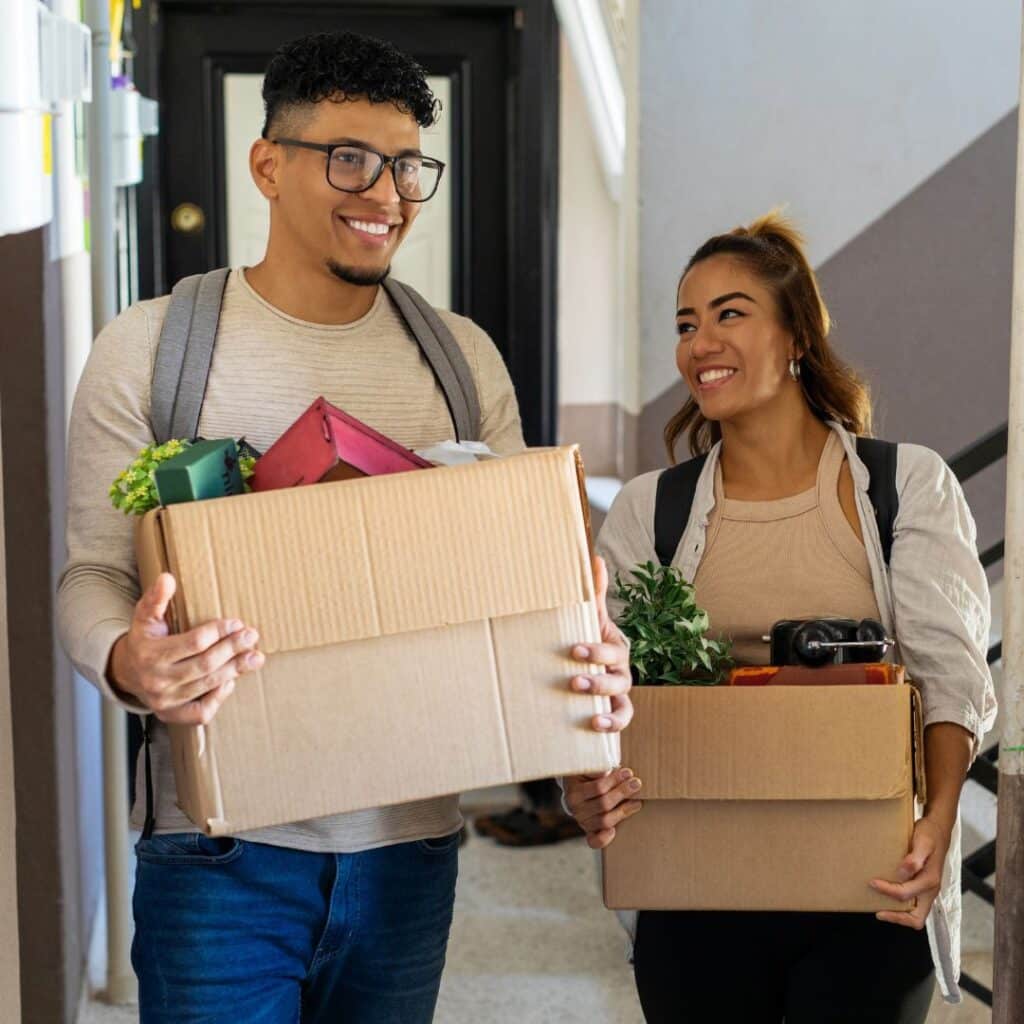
(532,944)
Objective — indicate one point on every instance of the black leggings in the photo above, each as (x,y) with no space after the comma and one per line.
(695,967)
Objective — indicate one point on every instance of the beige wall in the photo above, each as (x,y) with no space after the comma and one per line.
(898,168)
(589,288)
(588,247)
(10,984)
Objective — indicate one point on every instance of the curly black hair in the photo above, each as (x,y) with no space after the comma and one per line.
(344,66)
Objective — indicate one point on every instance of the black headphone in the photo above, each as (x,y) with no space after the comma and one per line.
(818,642)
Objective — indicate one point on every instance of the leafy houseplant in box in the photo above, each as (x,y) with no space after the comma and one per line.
(134,491)
(667,630)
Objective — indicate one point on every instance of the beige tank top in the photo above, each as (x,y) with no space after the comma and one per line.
(794,558)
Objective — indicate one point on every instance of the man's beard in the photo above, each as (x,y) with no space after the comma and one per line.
(353,275)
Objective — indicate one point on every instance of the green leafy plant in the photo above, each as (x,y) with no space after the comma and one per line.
(134,490)
(246,466)
(667,630)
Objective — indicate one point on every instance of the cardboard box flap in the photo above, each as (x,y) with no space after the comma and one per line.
(920,781)
(728,743)
(385,555)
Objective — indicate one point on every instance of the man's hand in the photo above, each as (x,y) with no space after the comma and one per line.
(183,678)
(613,654)
(919,875)
(600,802)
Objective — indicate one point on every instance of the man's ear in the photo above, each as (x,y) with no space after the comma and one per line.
(264,158)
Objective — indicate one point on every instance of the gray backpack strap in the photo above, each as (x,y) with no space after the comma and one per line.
(184,354)
(444,355)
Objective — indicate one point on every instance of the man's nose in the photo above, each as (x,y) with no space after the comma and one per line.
(383,190)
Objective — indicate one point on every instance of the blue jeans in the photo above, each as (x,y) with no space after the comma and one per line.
(228,931)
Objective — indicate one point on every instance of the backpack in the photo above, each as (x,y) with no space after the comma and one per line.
(678,485)
(185,352)
(182,367)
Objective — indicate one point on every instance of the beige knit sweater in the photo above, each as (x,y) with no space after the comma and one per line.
(267,368)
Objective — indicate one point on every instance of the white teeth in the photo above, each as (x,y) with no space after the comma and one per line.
(712,375)
(370,227)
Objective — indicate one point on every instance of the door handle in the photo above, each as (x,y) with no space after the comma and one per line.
(188,219)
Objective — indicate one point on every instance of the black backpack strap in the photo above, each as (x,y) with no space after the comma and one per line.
(678,485)
(880,459)
(673,501)
(443,355)
(147,741)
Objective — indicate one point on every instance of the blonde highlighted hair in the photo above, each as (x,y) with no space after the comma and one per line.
(773,249)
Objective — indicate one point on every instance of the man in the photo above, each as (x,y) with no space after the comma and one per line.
(341,918)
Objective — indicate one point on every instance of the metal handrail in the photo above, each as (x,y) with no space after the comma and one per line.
(976,989)
(980,454)
(993,554)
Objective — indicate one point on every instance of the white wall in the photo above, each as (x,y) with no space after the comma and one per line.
(836,108)
(66,247)
(589,332)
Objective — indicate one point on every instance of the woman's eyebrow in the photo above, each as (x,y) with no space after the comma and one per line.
(715,303)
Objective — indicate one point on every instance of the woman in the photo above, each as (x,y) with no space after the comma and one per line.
(781,527)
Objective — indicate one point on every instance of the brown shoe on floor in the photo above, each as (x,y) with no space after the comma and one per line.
(520,827)
(488,824)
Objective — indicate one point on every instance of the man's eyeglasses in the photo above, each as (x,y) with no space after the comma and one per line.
(356,168)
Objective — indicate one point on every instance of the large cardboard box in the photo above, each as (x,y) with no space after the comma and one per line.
(417,627)
(766,798)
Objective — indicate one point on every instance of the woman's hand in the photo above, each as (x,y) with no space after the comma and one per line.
(600,802)
(920,874)
(613,654)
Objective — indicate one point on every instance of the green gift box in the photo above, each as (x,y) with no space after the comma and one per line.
(207,469)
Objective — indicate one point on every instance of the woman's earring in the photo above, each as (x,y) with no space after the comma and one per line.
(794,369)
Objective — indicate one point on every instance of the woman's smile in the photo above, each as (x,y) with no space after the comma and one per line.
(714,378)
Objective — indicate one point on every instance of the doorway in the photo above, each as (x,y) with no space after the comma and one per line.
(487,249)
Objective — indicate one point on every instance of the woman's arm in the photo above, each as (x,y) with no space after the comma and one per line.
(940,596)
(947,756)
(941,610)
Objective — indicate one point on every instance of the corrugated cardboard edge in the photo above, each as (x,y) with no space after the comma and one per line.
(193,752)
(917,740)
(588,528)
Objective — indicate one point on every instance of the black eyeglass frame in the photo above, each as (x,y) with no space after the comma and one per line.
(385,161)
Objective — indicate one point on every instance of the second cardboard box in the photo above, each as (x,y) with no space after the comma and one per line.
(767,797)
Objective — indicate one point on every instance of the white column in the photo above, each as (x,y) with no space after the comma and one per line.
(120,979)
(1008,988)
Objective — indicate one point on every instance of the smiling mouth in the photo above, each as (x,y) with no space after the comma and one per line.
(370,231)
(710,378)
